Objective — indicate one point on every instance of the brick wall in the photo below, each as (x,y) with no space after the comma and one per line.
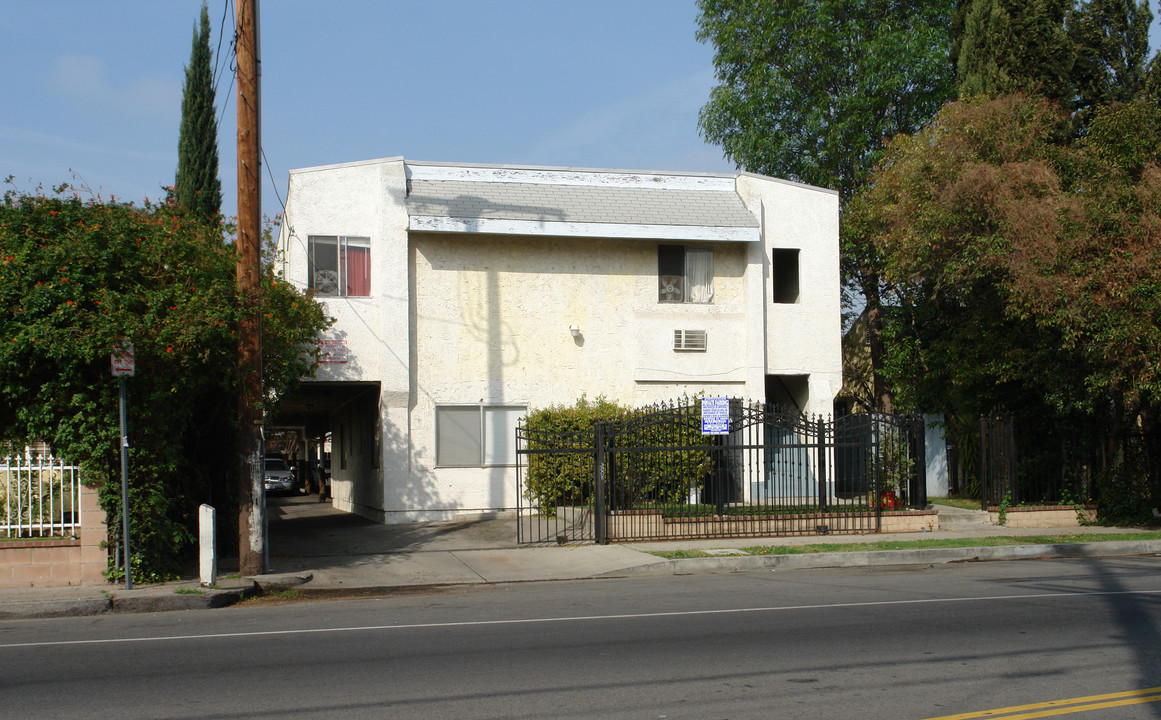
(51,563)
(1044,516)
(651,524)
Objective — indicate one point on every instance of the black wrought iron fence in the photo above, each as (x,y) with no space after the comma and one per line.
(655,474)
(1030,461)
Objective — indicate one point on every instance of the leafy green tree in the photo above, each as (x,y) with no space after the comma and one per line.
(78,278)
(812,90)
(197,185)
(1029,265)
(1082,53)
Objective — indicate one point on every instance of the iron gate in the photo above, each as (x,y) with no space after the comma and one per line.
(653,475)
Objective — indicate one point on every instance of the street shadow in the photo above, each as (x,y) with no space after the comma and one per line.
(1137,614)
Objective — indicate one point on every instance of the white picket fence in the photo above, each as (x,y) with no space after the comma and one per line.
(39,496)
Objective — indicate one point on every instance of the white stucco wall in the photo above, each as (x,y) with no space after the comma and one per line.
(365,200)
(935,446)
(372,333)
(805,337)
(492,326)
(461,317)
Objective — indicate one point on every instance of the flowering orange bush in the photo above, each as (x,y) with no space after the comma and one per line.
(78,278)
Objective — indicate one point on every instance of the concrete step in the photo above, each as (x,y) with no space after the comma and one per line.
(951,518)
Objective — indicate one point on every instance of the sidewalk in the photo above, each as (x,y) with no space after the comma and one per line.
(316,548)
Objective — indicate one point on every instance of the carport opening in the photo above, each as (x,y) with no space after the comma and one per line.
(312,428)
(790,391)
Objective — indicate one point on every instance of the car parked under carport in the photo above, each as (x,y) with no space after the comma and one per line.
(278,476)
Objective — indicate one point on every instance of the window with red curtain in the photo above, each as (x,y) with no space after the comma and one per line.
(339,265)
(357,264)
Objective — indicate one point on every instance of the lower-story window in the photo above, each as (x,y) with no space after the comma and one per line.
(476,435)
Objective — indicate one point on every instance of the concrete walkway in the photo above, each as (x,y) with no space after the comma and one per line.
(316,548)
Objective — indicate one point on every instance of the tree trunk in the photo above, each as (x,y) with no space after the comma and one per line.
(882,394)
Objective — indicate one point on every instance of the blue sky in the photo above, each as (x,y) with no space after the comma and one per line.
(598,83)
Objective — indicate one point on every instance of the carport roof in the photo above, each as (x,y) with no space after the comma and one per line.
(312,402)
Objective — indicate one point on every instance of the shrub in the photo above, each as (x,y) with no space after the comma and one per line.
(560,440)
(662,454)
(76,279)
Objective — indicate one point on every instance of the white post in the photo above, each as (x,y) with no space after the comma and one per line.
(208,545)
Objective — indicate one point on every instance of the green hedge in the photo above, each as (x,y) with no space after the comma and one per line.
(659,460)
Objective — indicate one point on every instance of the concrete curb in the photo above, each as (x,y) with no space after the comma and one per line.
(203,599)
(743,563)
(145,600)
(280,581)
(32,609)
(166,598)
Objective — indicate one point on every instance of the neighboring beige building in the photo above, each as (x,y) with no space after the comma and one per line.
(463,295)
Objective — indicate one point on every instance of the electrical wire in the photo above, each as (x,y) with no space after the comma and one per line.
(218,53)
(273,183)
(232,54)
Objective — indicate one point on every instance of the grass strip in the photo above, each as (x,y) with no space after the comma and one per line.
(994,541)
(961,503)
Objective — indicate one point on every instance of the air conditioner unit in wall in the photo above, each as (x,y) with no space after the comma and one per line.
(689,340)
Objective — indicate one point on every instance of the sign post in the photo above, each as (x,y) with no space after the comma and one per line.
(124,366)
(715,422)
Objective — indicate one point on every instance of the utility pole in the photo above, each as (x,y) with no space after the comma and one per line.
(252,491)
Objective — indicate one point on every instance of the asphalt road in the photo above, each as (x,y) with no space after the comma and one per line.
(892,643)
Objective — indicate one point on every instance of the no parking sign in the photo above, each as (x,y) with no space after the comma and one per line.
(715,416)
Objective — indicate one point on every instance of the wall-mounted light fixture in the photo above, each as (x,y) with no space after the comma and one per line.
(574,330)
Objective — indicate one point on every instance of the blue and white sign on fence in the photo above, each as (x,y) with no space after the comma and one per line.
(715,416)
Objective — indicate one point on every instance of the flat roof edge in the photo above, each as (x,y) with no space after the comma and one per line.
(792,183)
(559,169)
(354,163)
(569,168)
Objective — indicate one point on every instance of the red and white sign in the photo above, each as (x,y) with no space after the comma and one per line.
(124,364)
(333,351)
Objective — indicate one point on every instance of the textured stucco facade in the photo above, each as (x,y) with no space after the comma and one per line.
(509,288)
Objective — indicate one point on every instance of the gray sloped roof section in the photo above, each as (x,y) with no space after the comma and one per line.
(578,204)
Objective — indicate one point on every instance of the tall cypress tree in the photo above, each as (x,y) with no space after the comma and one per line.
(197,186)
(1011,46)
(1112,49)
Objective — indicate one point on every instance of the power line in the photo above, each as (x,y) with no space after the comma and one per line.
(273,183)
(218,52)
(233,58)
(226,102)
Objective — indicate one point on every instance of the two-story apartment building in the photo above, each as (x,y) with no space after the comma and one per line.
(463,295)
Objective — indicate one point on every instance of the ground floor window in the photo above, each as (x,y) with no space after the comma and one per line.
(476,435)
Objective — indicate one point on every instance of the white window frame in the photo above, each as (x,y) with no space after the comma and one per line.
(488,414)
(339,281)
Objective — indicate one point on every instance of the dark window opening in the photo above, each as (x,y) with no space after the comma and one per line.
(785,272)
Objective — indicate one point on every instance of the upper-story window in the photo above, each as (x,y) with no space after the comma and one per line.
(339,265)
(685,274)
(785,275)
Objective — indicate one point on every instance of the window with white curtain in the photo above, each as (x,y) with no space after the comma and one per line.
(476,435)
(685,274)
